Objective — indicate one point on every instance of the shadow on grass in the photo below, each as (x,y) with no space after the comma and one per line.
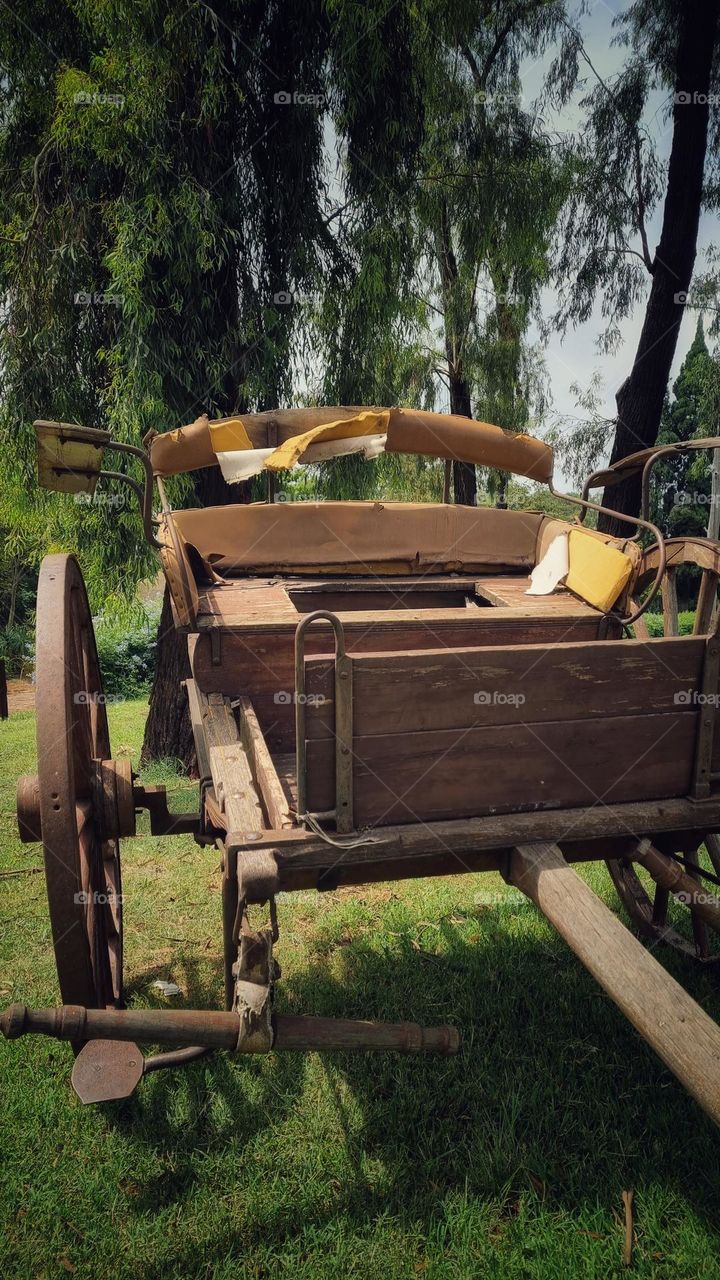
(553,1094)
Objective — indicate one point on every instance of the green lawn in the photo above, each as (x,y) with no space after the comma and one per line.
(507,1161)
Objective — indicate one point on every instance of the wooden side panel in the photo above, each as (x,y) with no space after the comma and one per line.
(260,664)
(444,773)
(445,689)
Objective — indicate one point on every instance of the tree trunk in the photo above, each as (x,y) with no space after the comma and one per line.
(640,398)
(168,735)
(464,474)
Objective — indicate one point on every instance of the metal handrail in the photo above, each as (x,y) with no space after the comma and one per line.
(343,721)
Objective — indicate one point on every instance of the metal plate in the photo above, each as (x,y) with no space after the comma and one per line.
(69,457)
(106,1070)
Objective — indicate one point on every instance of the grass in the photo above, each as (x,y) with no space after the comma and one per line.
(507,1161)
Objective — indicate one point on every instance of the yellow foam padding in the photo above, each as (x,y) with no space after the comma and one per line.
(365,424)
(227,436)
(598,573)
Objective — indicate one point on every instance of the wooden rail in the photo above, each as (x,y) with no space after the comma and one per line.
(679,1031)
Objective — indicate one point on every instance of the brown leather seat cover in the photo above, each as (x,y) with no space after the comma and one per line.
(360,537)
(414,431)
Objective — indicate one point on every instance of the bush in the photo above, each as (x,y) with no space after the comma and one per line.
(686,622)
(126,651)
(17,646)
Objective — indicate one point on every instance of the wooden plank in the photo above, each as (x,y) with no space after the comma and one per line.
(679,1031)
(640,627)
(255,662)
(505,768)
(235,788)
(251,602)
(668,589)
(706,601)
(196,721)
(446,689)
(265,773)
(672,823)
(229,764)
(303,871)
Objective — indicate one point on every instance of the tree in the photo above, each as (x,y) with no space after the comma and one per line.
(158,193)
(672,47)
(681,489)
(449,251)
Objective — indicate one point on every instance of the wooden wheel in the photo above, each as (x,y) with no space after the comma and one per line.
(694,551)
(82,861)
(650,914)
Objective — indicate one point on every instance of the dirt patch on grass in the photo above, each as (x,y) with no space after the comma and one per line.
(21,695)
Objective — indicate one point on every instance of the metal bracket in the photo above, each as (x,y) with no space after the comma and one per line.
(702,775)
(215,645)
(344,820)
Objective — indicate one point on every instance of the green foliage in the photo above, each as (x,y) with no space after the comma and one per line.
(145,230)
(618,176)
(127,652)
(16,648)
(686,621)
(681,485)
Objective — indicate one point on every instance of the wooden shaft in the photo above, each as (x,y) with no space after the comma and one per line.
(670,875)
(293,1032)
(162,1026)
(221,1030)
(679,1031)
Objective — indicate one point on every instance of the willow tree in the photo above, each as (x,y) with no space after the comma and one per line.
(159,193)
(671,49)
(448,244)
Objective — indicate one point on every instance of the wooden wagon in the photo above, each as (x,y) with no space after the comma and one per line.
(374,696)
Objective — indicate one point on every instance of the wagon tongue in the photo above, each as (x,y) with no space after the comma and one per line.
(110,1064)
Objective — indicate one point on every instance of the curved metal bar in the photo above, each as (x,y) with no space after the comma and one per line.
(144,494)
(665,452)
(680,446)
(138,491)
(343,699)
(687,446)
(175,1058)
(642,524)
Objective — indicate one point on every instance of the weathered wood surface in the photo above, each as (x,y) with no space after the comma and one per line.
(699,551)
(219,1030)
(264,771)
(670,601)
(260,663)
(706,602)
(441,689)
(678,821)
(251,602)
(229,764)
(235,787)
(448,773)
(671,876)
(672,1023)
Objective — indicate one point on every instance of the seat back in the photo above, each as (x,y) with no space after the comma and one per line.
(360,537)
